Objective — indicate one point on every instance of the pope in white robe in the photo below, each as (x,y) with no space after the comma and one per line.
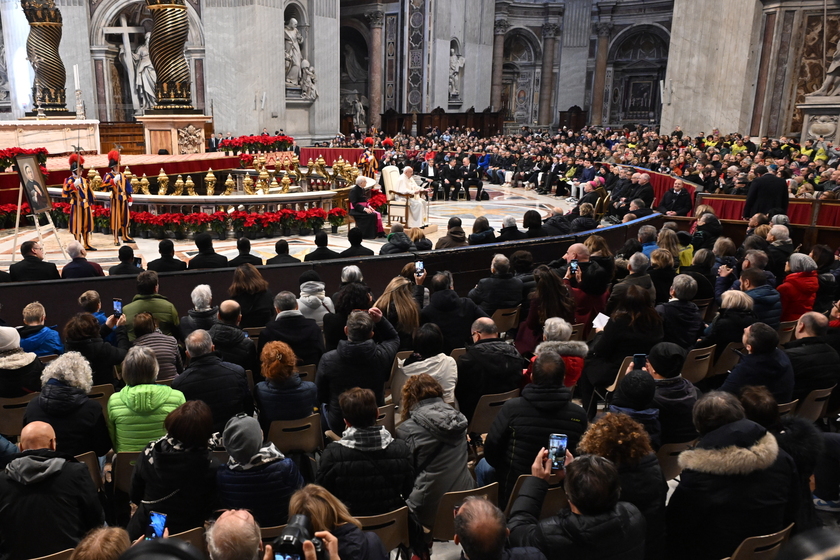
(417,206)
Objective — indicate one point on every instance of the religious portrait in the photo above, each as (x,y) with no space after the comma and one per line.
(34,186)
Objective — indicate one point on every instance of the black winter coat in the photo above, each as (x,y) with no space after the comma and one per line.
(195,320)
(523,426)
(727,327)
(257,309)
(221,385)
(815,365)
(101,355)
(234,346)
(356,364)
(499,291)
(264,490)
(302,334)
(398,242)
(675,400)
(292,399)
(617,341)
(772,370)
(681,322)
(644,486)
(77,420)
(805,444)
(20,374)
(368,481)
(32,269)
(490,366)
(355,544)
(454,315)
(766,193)
(618,534)
(735,484)
(511,233)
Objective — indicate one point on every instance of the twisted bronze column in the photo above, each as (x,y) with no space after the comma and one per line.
(166,50)
(42,51)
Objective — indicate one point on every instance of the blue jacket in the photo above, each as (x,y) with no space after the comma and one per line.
(588,174)
(771,370)
(484,161)
(767,306)
(41,340)
(264,490)
(290,400)
(648,248)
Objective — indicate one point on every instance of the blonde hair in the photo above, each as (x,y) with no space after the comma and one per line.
(669,241)
(416,234)
(662,258)
(33,312)
(703,209)
(398,292)
(324,510)
(736,299)
(419,388)
(762,230)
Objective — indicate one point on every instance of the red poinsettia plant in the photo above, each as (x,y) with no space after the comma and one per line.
(336,216)
(197,221)
(7,156)
(219,223)
(377,200)
(315,218)
(286,217)
(246,160)
(259,143)
(101,216)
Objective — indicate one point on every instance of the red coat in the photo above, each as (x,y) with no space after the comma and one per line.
(798,292)
(573,353)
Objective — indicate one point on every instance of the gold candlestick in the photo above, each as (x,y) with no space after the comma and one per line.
(163,182)
(179,186)
(144,184)
(230,184)
(210,182)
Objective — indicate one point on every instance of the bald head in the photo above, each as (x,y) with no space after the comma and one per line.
(230,312)
(37,435)
(480,529)
(811,324)
(485,328)
(234,536)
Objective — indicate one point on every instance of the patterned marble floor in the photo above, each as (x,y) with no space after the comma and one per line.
(503,201)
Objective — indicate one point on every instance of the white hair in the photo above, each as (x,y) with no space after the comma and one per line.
(201,297)
(351,273)
(557,329)
(225,541)
(508,221)
(407,167)
(75,249)
(199,343)
(780,233)
(71,369)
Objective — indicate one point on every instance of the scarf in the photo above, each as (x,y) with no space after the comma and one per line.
(366,439)
(266,454)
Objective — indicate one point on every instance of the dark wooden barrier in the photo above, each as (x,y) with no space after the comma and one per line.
(467,265)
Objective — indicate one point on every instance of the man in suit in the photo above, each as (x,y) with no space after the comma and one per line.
(356,249)
(213,143)
(206,257)
(677,201)
(644,190)
(79,267)
(243,245)
(322,252)
(126,266)
(283,256)
(471,178)
(767,192)
(451,175)
(167,261)
(33,267)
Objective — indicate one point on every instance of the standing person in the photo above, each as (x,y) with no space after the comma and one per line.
(767,192)
(250,290)
(120,198)
(77,189)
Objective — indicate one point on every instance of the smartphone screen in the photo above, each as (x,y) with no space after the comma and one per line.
(557,451)
(157,523)
(419,267)
(639,361)
(117,307)
(573,266)
(138,262)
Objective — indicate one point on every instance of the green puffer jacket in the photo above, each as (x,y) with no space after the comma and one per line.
(136,414)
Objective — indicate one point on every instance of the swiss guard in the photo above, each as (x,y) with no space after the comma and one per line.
(77,189)
(120,198)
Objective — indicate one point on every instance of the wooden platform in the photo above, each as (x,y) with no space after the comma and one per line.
(128,135)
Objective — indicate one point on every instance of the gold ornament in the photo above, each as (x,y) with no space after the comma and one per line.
(210,182)
(163,182)
(179,186)
(135,184)
(230,184)
(190,186)
(286,182)
(144,185)
(249,185)
(97,181)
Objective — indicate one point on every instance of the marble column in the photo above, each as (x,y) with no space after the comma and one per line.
(604,30)
(377,20)
(499,30)
(549,32)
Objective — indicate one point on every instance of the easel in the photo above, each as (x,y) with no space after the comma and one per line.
(50,228)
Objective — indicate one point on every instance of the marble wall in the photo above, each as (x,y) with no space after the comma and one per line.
(712,65)
(324,115)
(75,49)
(574,55)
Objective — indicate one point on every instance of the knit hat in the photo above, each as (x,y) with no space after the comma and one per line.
(9,339)
(312,289)
(309,276)
(635,391)
(242,437)
(667,359)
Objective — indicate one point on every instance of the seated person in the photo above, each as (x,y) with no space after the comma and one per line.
(206,257)
(167,261)
(283,395)
(735,314)
(126,266)
(814,361)
(283,256)
(681,318)
(502,290)
(480,530)
(428,357)
(764,364)
(634,397)
(674,395)
(677,201)
(321,252)
(290,326)
(243,245)
(356,249)
(35,336)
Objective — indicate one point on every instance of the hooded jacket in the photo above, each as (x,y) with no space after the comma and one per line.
(573,353)
(814,364)
(398,242)
(441,367)
(313,303)
(489,366)
(435,430)
(47,504)
(681,322)
(20,373)
(772,370)
(195,320)
(164,312)
(222,385)
(234,346)
(136,414)
(41,340)
(482,238)
(291,399)
(365,364)
(455,237)
(798,293)
(727,327)
(736,483)
(675,398)
(644,486)
(301,334)
(617,534)
(767,305)
(101,355)
(454,315)
(77,420)
(499,291)
(523,426)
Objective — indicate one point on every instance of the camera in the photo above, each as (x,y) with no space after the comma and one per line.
(289,545)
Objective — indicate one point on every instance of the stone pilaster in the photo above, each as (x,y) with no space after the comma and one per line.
(499,30)
(549,32)
(376,19)
(604,30)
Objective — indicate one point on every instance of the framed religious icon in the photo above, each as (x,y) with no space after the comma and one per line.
(34,185)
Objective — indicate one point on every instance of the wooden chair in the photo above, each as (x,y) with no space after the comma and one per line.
(165,381)
(92,463)
(703,305)
(253,333)
(221,456)
(668,456)
(728,359)
(394,367)
(486,410)
(506,319)
(457,353)
(47,359)
(249,375)
(11,414)
(123,468)
(444,528)
(814,406)
(785,331)
(762,548)
(101,394)
(697,363)
(63,555)
(622,371)
(303,435)
(388,417)
(271,533)
(555,498)
(391,527)
(577,331)
(788,408)
(307,372)
(194,537)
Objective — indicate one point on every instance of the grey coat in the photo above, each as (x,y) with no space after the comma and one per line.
(435,429)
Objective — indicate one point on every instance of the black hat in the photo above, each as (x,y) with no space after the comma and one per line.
(667,359)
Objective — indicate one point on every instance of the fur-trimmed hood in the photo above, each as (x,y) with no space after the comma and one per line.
(738,448)
(566,347)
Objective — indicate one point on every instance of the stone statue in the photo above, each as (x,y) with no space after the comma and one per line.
(358,112)
(455,64)
(145,76)
(4,75)
(293,42)
(308,80)
(352,67)
(831,85)
(190,140)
